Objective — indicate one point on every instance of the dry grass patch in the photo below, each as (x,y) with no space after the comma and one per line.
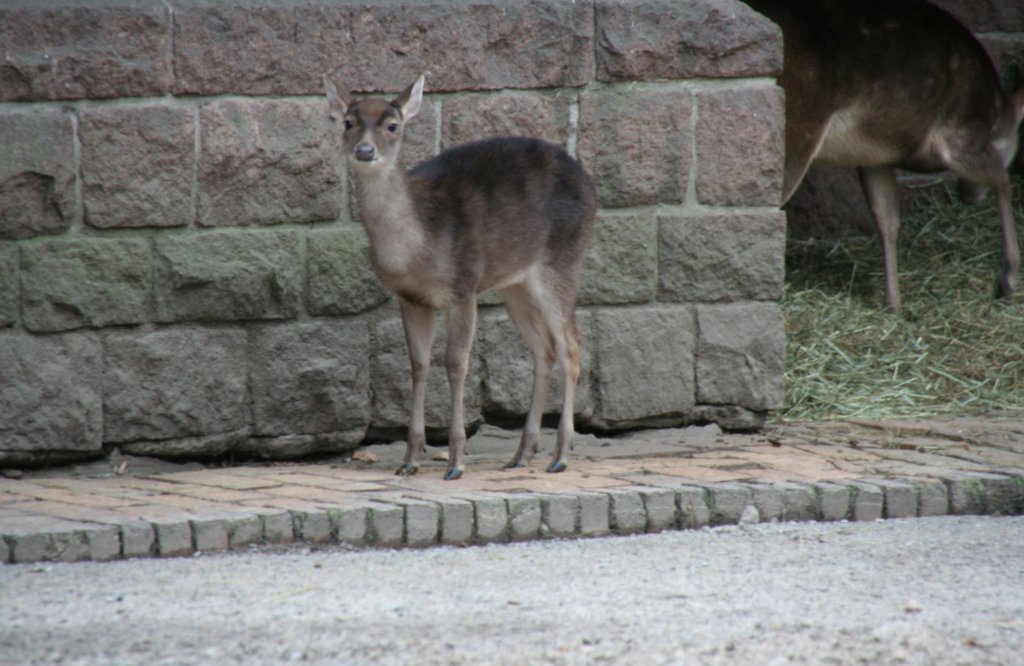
(955,349)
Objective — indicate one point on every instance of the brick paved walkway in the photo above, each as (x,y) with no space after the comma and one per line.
(646,481)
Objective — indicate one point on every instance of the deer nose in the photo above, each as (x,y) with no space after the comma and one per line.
(365,152)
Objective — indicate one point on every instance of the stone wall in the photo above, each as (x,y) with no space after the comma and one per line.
(182,273)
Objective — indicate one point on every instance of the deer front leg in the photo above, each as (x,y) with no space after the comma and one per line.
(1006,283)
(461,327)
(879,185)
(418,322)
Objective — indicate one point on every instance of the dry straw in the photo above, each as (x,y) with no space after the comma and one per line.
(954,349)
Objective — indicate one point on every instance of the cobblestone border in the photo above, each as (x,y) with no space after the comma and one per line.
(417,520)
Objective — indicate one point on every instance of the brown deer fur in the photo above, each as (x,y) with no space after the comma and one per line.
(511,214)
(884,84)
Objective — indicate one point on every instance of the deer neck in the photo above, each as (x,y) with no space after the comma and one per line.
(389,216)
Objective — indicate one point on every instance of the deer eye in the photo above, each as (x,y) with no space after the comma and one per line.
(392,127)
(348,124)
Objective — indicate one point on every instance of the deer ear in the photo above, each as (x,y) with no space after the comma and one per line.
(409,101)
(337,104)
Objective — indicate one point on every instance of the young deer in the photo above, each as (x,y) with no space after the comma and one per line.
(884,84)
(510,214)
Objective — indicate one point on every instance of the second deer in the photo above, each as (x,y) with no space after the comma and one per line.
(510,214)
(884,84)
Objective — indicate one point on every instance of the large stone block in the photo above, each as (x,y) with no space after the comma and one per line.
(174,383)
(268,162)
(392,382)
(8,284)
(740,145)
(666,39)
(471,117)
(264,47)
(637,143)
(740,355)
(75,49)
(644,368)
(137,165)
(508,368)
(722,257)
(85,282)
(622,261)
(228,275)
(37,172)
(340,275)
(539,44)
(310,377)
(50,396)
(274,48)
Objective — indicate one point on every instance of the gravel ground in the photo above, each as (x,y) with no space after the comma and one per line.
(922,591)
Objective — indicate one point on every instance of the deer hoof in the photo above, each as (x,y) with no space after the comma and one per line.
(453,474)
(557,466)
(512,464)
(408,469)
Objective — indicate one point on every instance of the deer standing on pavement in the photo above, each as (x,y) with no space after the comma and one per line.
(512,214)
(884,84)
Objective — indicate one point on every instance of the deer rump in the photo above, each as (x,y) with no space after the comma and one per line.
(497,207)
(883,84)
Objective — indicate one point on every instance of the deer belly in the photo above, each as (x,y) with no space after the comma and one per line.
(846,143)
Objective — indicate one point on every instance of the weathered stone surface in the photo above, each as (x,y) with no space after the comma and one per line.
(50,392)
(392,383)
(340,277)
(637,143)
(594,519)
(188,448)
(508,368)
(282,48)
(626,511)
(137,539)
(180,382)
(268,162)
(644,374)
(559,515)
(660,506)
(740,355)
(726,502)
(740,143)
(867,501)
(310,377)
(828,202)
(524,517)
(833,501)
(137,164)
(542,44)
(664,39)
(78,48)
(221,276)
(722,257)
(932,497)
(8,284)
(68,283)
(37,172)
(472,117)
(622,261)
(257,48)
(987,15)
(290,447)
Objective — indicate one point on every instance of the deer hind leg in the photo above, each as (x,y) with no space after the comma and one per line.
(557,301)
(418,322)
(879,185)
(529,321)
(460,325)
